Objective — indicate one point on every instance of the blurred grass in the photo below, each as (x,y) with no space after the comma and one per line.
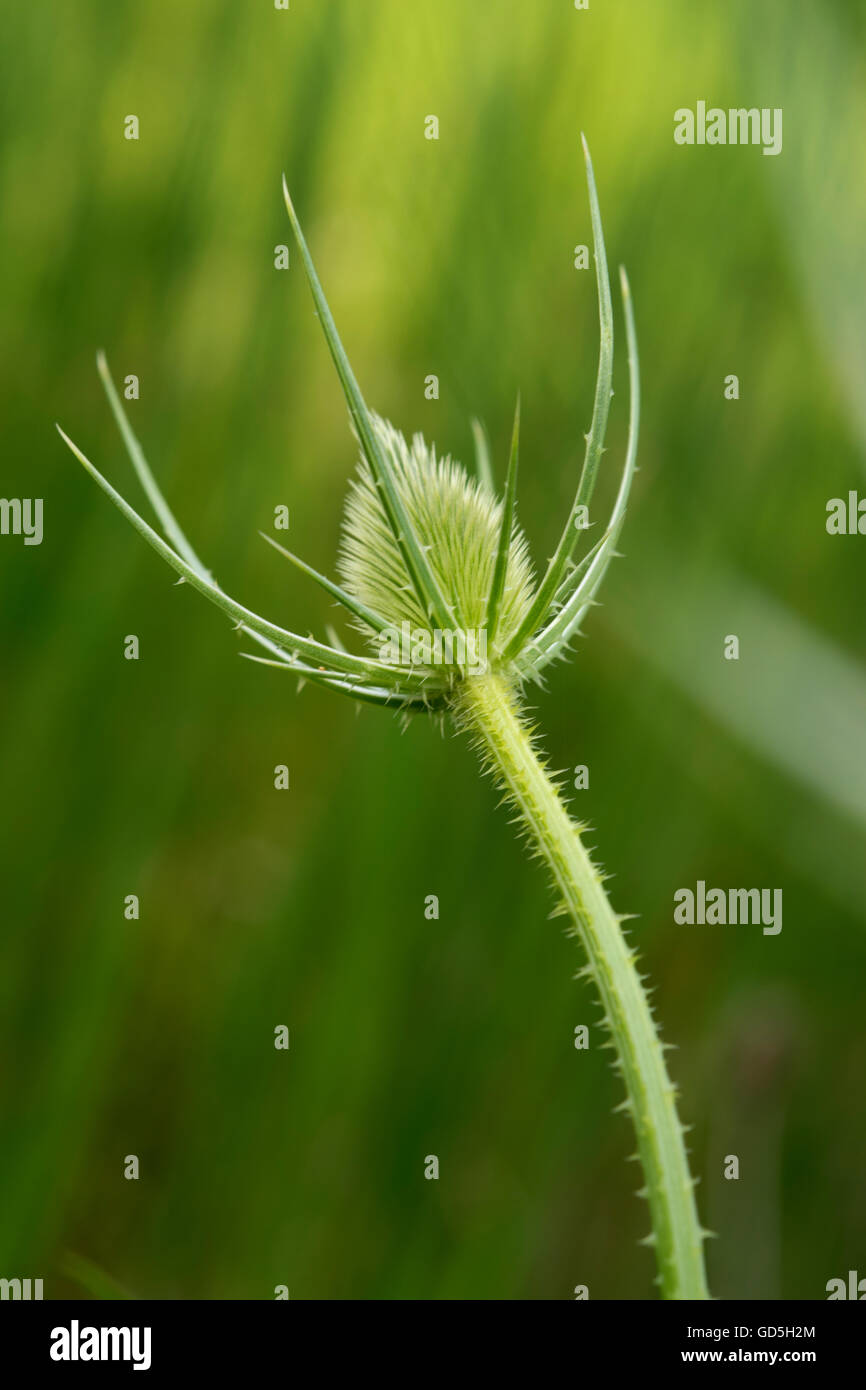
(411,1037)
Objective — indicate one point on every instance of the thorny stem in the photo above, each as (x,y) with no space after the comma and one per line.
(489,712)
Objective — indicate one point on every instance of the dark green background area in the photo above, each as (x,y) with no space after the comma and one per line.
(412,1037)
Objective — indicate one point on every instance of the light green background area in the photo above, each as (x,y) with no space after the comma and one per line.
(412,1037)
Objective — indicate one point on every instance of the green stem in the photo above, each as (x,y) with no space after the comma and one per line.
(489,711)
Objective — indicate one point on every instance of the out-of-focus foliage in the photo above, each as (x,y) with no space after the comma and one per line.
(411,1036)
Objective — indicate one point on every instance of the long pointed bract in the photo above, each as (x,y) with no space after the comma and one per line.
(369,694)
(574,579)
(354,605)
(316,652)
(482,456)
(155,496)
(424,580)
(594,440)
(549,643)
(145,477)
(497,586)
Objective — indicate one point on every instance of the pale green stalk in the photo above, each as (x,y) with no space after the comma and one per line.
(490,713)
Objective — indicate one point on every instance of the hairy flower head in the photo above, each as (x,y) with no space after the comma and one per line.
(426,547)
(461,523)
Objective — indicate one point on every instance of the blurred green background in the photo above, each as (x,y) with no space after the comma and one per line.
(306,908)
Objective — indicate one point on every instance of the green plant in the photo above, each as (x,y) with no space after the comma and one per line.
(429,551)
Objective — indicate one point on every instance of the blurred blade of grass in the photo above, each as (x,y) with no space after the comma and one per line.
(815,69)
(793,697)
(88,1276)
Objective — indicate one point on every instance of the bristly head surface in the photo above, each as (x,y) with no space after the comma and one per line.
(460,521)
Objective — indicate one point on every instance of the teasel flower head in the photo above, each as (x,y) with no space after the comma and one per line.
(433,568)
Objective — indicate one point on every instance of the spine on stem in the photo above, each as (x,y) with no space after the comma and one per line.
(489,712)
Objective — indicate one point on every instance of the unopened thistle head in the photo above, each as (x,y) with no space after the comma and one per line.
(435,571)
